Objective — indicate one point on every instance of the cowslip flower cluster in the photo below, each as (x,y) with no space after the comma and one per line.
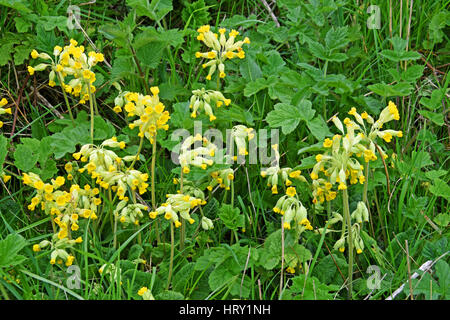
(177,205)
(240,134)
(190,155)
(221,49)
(65,207)
(360,215)
(73,62)
(129,213)
(223,178)
(3,103)
(109,169)
(148,108)
(369,136)
(59,249)
(293,210)
(274,174)
(323,190)
(204,100)
(339,163)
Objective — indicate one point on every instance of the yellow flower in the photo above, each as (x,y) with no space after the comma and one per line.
(291,191)
(34,54)
(327,143)
(142,291)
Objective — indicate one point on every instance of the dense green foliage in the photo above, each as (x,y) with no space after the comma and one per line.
(307,62)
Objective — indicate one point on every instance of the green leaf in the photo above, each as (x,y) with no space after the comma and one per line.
(250,70)
(336,38)
(442,219)
(397,56)
(439,21)
(385,90)
(169,295)
(270,255)
(19,5)
(155,10)
(3,150)
(254,87)
(443,275)
(437,118)
(196,11)
(413,73)
(318,128)
(288,116)
(309,288)
(27,154)
(327,269)
(231,217)
(434,101)
(440,189)
(22,24)
(9,250)
(296,255)
(116,33)
(318,50)
(422,285)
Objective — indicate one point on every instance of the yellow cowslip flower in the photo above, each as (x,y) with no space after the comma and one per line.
(148,108)
(204,100)
(197,156)
(221,49)
(291,191)
(70,61)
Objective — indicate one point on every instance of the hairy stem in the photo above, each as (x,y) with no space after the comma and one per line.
(350,241)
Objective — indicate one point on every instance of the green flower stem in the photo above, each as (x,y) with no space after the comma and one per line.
(172,250)
(350,241)
(141,143)
(158,239)
(91,106)
(366,182)
(65,98)
(183,222)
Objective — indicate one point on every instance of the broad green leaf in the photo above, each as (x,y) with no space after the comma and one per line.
(9,250)
(27,154)
(155,10)
(336,38)
(434,101)
(413,73)
(254,87)
(318,128)
(442,219)
(231,217)
(288,116)
(309,288)
(437,118)
(327,271)
(440,188)
(397,56)
(318,50)
(385,90)
(19,5)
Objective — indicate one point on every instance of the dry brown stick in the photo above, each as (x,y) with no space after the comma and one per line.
(273,16)
(409,270)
